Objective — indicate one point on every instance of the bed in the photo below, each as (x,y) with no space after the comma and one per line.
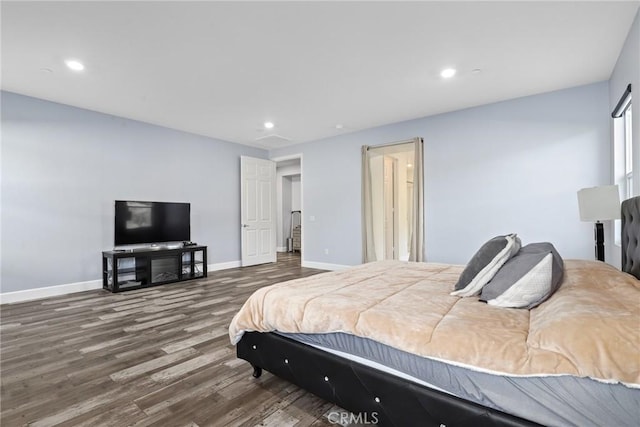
(451,361)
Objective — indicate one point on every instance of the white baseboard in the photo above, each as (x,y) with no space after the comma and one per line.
(281,249)
(223,265)
(324,266)
(49,291)
(70,288)
(90,285)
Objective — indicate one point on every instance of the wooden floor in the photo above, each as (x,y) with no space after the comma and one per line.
(152,357)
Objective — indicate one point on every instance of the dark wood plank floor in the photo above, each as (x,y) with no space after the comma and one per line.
(152,357)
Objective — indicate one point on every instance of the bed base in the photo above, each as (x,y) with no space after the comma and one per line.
(369,394)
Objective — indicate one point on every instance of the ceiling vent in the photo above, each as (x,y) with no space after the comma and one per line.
(273,140)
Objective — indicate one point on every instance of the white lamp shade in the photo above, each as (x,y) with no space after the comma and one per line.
(599,203)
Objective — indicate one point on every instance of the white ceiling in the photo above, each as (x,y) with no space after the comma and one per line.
(221,69)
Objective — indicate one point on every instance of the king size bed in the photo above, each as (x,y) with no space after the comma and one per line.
(389,342)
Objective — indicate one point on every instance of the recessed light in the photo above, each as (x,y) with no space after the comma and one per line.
(339,126)
(74,65)
(447,73)
(268,125)
(46,70)
(476,71)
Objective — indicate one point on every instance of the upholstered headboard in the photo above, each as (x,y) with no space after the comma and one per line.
(631,236)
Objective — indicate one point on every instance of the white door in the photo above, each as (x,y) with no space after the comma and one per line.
(258,210)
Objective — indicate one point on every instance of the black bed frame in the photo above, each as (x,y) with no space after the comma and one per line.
(366,392)
(374,395)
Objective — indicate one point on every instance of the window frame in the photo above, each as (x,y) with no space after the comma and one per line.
(627,116)
(623,152)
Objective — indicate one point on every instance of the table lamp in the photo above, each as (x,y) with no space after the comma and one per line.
(599,204)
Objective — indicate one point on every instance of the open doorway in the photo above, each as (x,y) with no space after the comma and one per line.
(392,203)
(391,191)
(289,207)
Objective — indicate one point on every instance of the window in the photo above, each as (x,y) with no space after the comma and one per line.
(628,153)
(623,151)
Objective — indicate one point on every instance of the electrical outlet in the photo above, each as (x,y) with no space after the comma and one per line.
(312,218)
(326,251)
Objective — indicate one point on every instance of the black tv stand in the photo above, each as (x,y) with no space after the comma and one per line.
(144,267)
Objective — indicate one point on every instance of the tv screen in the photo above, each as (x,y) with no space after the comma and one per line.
(151,222)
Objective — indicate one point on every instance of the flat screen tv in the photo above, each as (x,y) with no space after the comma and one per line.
(151,222)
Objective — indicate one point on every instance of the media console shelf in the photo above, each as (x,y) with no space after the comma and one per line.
(140,268)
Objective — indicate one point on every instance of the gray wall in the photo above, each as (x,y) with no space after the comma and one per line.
(63,167)
(513,166)
(627,70)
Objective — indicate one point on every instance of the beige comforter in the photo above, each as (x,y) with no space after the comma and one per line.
(590,327)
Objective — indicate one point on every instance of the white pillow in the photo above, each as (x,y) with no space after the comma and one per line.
(485,264)
(527,279)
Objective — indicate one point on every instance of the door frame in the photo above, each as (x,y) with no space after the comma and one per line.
(302,221)
(416,247)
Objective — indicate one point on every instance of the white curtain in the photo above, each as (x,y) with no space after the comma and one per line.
(416,216)
(416,248)
(368,246)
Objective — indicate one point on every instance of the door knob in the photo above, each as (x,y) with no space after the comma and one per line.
(245,225)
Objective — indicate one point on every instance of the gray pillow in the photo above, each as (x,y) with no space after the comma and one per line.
(485,264)
(527,279)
